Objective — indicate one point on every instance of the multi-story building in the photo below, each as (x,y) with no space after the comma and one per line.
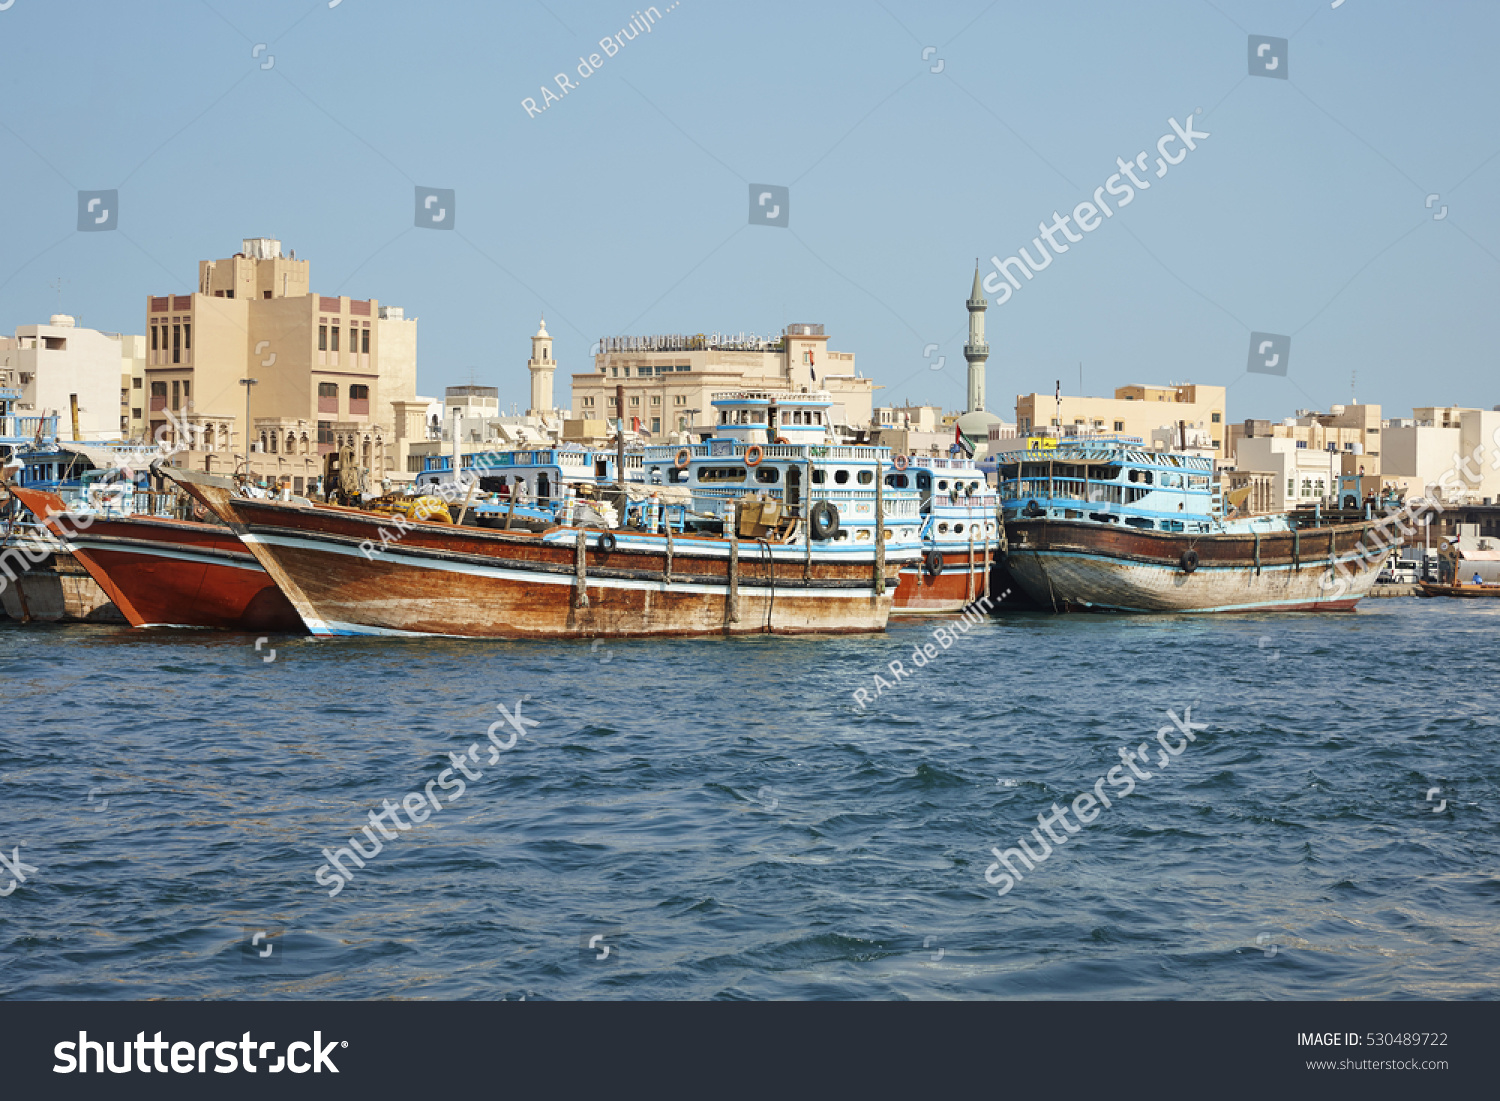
(133,387)
(58,367)
(329,371)
(670,380)
(1438,439)
(1133,411)
(1308,453)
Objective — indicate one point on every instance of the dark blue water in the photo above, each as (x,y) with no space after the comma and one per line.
(732,825)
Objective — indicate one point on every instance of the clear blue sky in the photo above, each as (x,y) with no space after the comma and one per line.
(623,209)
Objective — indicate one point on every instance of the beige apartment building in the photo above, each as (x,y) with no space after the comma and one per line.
(1305,455)
(328,371)
(1446,451)
(133,387)
(60,364)
(670,380)
(1133,411)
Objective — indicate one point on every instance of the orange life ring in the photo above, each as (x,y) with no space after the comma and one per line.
(684,456)
(754,454)
(901,462)
(783,440)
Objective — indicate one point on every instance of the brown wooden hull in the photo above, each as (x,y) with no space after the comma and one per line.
(170,573)
(1079,566)
(58,590)
(960,583)
(1470,591)
(344,576)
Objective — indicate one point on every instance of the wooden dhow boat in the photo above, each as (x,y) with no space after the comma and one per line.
(164,572)
(751,564)
(1107,525)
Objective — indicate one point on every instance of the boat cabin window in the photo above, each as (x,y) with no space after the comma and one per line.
(721,474)
(1141,522)
(819,477)
(767,474)
(943,484)
(897,481)
(841,477)
(866,477)
(676,476)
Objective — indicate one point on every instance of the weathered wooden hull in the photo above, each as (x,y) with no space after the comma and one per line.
(170,573)
(960,583)
(58,590)
(349,572)
(1078,566)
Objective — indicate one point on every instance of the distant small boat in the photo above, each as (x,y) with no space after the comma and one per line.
(1470,590)
(169,573)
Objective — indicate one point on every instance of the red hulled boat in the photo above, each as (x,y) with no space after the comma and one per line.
(169,573)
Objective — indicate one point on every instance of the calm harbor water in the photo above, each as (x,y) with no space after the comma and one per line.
(726,819)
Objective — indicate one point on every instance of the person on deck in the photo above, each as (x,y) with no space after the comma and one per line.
(1477,579)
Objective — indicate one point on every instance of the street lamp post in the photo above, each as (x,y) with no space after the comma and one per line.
(247,383)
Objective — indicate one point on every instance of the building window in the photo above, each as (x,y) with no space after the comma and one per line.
(135,383)
(335,345)
(176,343)
(1119,426)
(1217,417)
(588,403)
(680,399)
(325,428)
(328,389)
(364,340)
(614,372)
(655,424)
(187,337)
(153,338)
(655,399)
(682,424)
(1301,445)
(544,355)
(359,393)
(176,395)
(322,338)
(635,399)
(135,414)
(613,402)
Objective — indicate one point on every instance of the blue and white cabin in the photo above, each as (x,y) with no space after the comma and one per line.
(800,474)
(1110,480)
(544,471)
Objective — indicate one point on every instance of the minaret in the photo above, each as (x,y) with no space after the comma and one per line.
(541,365)
(976,351)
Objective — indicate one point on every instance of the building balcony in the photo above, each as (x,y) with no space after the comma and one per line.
(974,350)
(21,430)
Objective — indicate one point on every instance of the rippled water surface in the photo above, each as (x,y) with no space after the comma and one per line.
(725,818)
